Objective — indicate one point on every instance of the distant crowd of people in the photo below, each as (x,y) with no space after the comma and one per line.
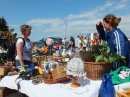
(80,42)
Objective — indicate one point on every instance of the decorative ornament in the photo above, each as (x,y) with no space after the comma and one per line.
(75,68)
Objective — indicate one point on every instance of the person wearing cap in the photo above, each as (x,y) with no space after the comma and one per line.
(50,43)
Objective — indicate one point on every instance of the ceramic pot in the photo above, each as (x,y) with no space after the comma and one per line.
(64,53)
(45,67)
(70,53)
(58,53)
(52,65)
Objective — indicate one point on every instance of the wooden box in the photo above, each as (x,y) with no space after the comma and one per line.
(4,70)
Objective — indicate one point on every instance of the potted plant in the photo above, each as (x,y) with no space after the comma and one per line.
(104,55)
(101,62)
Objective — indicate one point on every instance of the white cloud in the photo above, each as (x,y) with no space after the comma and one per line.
(91,13)
(82,23)
(124,1)
(124,24)
(40,22)
(120,5)
(105,6)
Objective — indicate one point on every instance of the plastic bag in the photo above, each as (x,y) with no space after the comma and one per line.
(107,88)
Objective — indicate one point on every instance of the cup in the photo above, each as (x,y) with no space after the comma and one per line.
(87,49)
(56,59)
(45,67)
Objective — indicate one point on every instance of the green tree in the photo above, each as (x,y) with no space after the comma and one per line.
(3,25)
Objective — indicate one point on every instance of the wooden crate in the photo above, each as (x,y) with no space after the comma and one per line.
(4,70)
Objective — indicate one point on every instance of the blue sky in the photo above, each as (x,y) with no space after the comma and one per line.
(49,17)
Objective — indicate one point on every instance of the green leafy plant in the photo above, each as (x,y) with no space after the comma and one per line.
(103,55)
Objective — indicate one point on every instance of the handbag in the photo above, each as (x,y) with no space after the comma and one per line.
(107,88)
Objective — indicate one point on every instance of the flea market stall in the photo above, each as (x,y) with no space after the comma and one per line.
(65,74)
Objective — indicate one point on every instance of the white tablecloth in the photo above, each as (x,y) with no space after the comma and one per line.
(50,90)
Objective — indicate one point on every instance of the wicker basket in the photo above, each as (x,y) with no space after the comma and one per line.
(59,72)
(58,75)
(95,70)
(51,81)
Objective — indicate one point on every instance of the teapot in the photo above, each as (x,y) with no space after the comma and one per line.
(64,53)
(70,53)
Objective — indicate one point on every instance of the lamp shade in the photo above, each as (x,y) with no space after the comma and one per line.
(75,67)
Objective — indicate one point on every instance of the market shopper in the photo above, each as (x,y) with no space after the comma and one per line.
(57,45)
(116,39)
(76,41)
(80,43)
(24,47)
(71,43)
(50,43)
(85,43)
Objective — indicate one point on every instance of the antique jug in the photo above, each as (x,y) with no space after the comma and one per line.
(64,53)
(70,53)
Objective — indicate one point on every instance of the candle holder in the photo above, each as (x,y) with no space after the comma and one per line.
(75,84)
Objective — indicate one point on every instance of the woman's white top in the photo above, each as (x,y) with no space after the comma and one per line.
(84,42)
(27,49)
(79,42)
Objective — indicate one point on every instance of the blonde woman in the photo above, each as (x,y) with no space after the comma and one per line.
(85,43)
(24,47)
(116,39)
(80,44)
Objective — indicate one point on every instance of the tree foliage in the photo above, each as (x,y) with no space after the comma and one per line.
(3,25)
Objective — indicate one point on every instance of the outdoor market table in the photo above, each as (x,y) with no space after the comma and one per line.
(50,90)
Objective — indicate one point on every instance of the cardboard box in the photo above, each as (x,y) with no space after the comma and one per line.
(4,70)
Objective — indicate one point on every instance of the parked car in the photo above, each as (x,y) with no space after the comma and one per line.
(40,43)
(57,39)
